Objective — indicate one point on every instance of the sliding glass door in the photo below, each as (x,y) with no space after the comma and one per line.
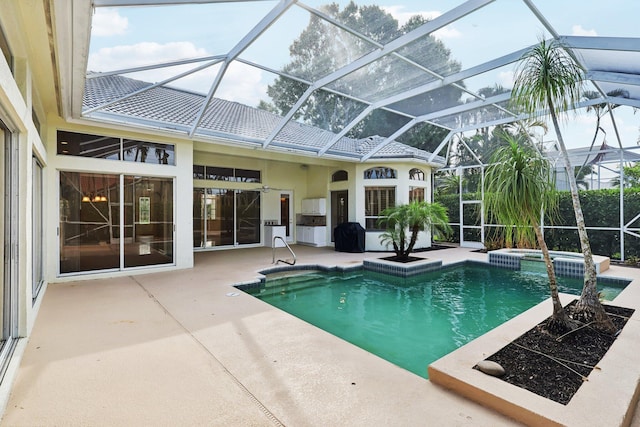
(9,249)
(148,220)
(225,217)
(110,221)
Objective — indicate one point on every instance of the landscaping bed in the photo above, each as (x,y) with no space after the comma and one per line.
(555,368)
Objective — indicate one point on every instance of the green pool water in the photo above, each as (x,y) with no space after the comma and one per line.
(412,322)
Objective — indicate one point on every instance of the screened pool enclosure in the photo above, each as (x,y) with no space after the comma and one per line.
(362,77)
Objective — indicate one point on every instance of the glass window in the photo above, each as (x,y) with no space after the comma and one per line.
(380,173)
(89,232)
(93,233)
(376,200)
(416,174)
(219,174)
(247,217)
(150,222)
(148,152)
(104,147)
(416,194)
(340,175)
(224,217)
(6,51)
(37,272)
(246,175)
(85,145)
(198,172)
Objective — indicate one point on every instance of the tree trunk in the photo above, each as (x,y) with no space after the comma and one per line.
(559,322)
(414,239)
(588,308)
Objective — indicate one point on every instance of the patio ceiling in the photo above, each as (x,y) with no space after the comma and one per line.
(395,76)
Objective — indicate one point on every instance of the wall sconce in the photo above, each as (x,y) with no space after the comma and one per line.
(86,199)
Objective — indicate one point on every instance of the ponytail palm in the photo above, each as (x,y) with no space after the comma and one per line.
(518,187)
(403,223)
(548,80)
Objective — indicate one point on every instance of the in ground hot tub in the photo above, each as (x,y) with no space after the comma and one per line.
(567,264)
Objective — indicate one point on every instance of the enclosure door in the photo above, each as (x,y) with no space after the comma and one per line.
(339,209)
(471,233)
(286,213)
(471,207)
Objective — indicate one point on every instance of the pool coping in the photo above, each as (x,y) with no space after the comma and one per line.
(617,379)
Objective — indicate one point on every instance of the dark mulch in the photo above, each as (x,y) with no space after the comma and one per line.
(402,260)
(540,374)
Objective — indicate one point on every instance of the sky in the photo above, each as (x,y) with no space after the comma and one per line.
(123,38)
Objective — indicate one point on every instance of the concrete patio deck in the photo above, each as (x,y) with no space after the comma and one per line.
(175,349)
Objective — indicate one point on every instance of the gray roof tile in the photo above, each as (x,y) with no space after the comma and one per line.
(172,108)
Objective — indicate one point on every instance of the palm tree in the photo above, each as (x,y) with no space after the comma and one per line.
(549,80)
(414,217)
(518,187)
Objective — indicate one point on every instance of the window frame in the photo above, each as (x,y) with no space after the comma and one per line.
(374,208)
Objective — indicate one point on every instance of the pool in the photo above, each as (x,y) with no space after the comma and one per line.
(413,321)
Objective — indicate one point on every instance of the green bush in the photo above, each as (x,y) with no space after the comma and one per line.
(601,208)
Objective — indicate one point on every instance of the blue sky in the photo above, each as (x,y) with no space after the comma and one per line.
(129,37)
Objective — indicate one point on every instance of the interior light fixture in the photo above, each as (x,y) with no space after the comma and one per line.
(86,199)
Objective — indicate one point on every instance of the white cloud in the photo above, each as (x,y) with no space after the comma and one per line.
(577,30)
(447,33)
(128,56)
(506,79)
(241,83)
(108,22)
(402,17)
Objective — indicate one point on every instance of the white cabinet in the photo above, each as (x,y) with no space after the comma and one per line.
(271,231)
(315,236)
(314,206)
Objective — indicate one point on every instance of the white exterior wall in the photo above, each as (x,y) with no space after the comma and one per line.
(401,184)
(182,173)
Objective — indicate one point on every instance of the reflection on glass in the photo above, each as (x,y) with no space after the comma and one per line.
(148,221)
(37,269)
(416,194)
(225,217)
(90,221)
(85,145)
(219,215)
(87,239)
(198,217)
(248,217)
(198,172)
(148,152)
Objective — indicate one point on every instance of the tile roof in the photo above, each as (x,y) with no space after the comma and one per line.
(168,108)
